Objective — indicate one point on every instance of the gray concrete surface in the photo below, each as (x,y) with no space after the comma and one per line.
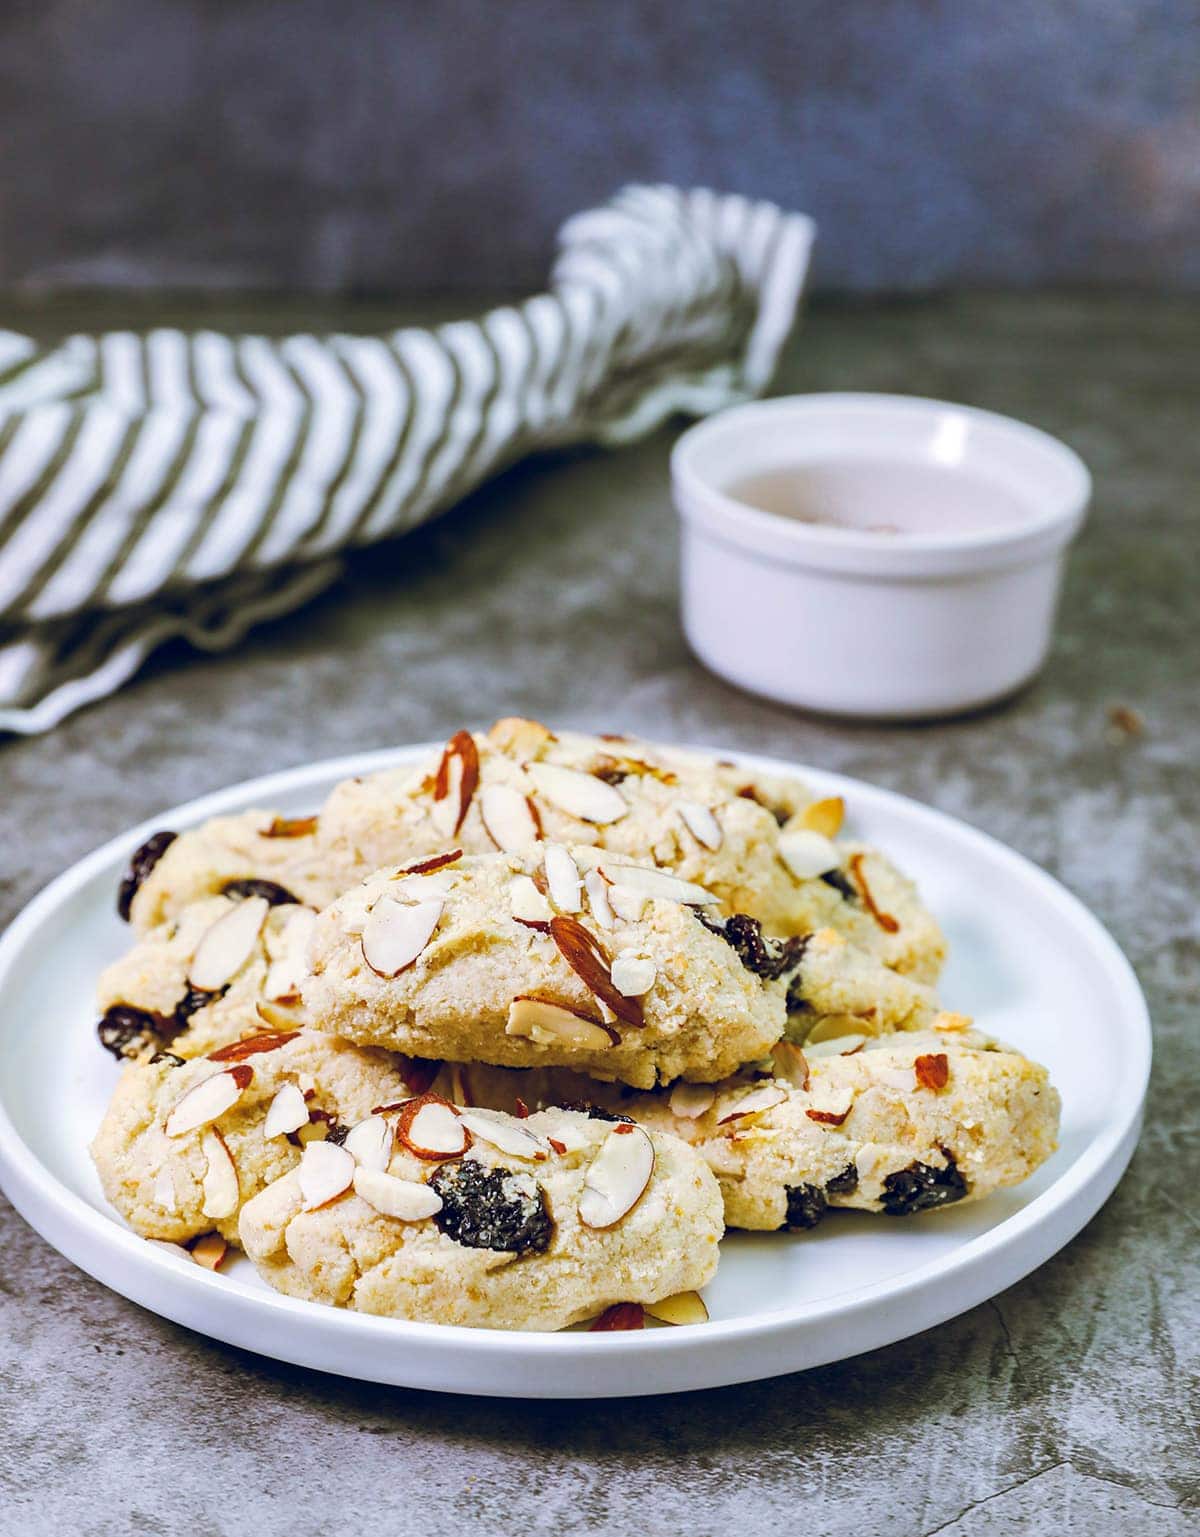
(1067,1406)
(395,145)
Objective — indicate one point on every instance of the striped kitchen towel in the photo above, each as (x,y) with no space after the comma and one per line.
(193,484)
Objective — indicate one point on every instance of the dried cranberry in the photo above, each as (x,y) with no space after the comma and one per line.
(844,1183)
(127,1032)
(768,958)
(921,1187)
(806,1205)
(595,1112)
(140,866)
(492,1208)
(841,883)
(276,895)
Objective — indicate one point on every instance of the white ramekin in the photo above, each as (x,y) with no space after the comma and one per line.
(858,623)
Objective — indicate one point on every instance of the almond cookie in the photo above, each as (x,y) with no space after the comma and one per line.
(496,958)
(469,1217)
(899,1124)
(193,982)
(184,1144)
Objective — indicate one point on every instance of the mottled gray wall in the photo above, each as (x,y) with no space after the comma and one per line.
(416,144)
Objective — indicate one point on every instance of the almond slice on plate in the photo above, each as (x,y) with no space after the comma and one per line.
(395,933)
(209,1251)
(562,878)
(753,1103)
(621,1316)
(325,1171)
(578,794)
(220,1183)
(553,1024)
(597,889)
(808,854)
(227,945)
(455,783)
(288,1112)
(587,958)
(205,1101)
(660,884)
(824,816)
(692,1100)
(407,1200)
(527,903)
(625,902)
(431,1127)
(175,1250)
(701,823)
(633,975)
(508,1136)
(682,1308)
(507,818)
(617,1177)
(369,1143)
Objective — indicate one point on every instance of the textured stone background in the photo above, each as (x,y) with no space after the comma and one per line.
(1065,1407)
(397,145)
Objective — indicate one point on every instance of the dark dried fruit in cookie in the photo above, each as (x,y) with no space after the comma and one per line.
(127,1032)
(766,958)
(921,1187)
(806,1205)
(595,1112)
(492,1208)
(195,999)
(840,882)
(274,894)
(845,1183)
(166,1059)
(140,866)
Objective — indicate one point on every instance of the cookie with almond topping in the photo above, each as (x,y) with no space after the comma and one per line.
(539,1224)
(897,1125)
(184,1144)
(540,958)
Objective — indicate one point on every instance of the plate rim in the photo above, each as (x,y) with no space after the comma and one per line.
(76,1228)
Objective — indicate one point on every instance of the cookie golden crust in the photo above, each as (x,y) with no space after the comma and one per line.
(497,1240)
(174,1170)
(473,961)
(906,1123)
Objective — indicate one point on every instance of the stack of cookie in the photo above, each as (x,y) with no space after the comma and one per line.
(509,1038)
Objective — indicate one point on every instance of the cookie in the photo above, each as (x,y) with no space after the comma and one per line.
(904,1124)
(183,1145)
(472,961)
(534,1224)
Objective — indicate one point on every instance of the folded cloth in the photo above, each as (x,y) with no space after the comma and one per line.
(193,484)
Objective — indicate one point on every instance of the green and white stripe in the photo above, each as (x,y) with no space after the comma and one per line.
(193,484)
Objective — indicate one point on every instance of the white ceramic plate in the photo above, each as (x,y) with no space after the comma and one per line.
(1027,960)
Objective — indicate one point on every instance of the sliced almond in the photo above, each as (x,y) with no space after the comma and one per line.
(753,1103)
(209,1251)
(578,794)
(507,1135)
(835,1046)
(281,1014)
(220,1183)
(175,1250)
(291,827)
(395,933)
(325,1171)
(701,823)
(692,1100)
(831,1027)
(617,1177)
(369,1143)
(253,1045)
(553,1024)
(227,945)
(597,890)
(431,1127)
(288,1112)
(562,878)
(519,738)
(633,975)
(808,854)
(622,1316)
(587,958)
(943,1020)
(424,888)
(407,1200)
(205,1101)
(824,816)
(527,903)
(885,921)
(790,1064)
(682,1308)
(433,863)
(625,902)
(657,884)
(507,818)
